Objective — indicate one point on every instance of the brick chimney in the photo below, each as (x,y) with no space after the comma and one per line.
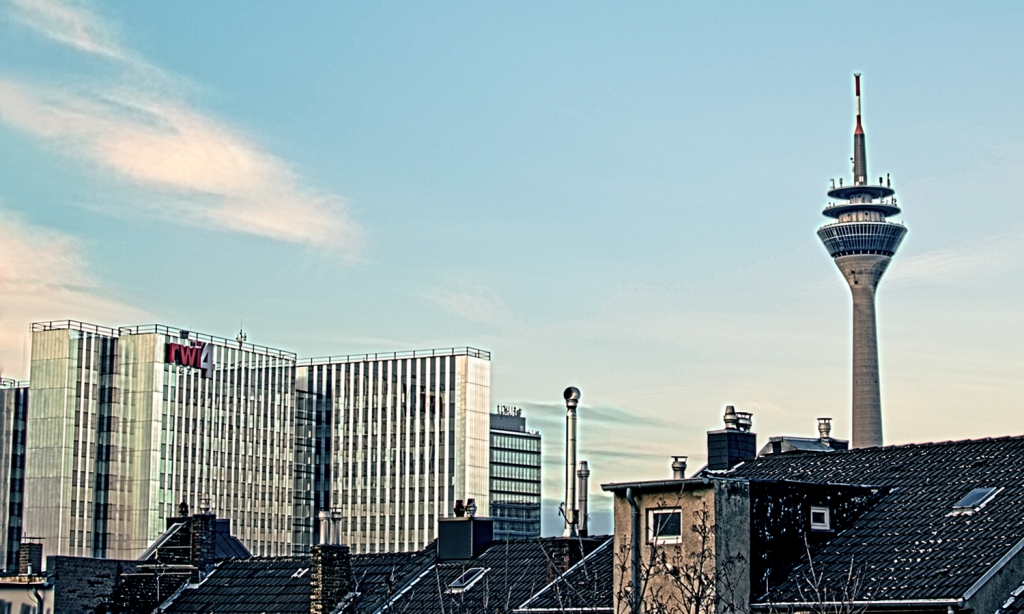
(30,559)
(733,444)
(330,578)
(203,528)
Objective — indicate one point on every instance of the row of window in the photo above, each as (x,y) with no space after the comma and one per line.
(529,488)
(530,459)
(515,472)
(862,237)
(665,524)
(527,444)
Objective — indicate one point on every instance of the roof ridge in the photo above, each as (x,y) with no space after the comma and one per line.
(785,457)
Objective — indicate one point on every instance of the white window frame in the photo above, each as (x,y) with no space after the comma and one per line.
(821,526)
(660,541)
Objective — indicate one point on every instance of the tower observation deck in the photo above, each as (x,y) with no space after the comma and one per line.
(862,242)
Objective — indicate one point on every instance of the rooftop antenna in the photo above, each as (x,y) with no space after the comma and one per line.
(860,154)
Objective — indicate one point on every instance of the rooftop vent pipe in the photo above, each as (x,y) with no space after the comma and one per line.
(730,417)
(572,400)
(325,527)
(825,429)
(336,518)
(584,477)
(679,467)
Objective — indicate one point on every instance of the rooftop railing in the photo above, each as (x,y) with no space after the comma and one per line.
(160,329)
(74,325)
(6,382)
(184,333)
(460,351)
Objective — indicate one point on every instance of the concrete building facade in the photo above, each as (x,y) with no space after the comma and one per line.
(863,242)
(399,438)
(127,423)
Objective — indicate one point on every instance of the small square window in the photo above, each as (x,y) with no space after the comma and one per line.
(820,519)
(664,525)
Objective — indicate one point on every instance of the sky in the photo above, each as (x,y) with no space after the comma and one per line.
(617,196)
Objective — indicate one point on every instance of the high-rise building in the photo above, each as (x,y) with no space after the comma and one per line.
(399,438)
(13,410)
(125,424)
(862,242)
(515,476)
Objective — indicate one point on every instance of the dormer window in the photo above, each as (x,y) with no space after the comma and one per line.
(820,519)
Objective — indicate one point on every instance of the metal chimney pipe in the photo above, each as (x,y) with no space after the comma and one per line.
(679,467)
(325,527)
(572,400)
(825,429)
(336,527)
(584,480)
(730,417)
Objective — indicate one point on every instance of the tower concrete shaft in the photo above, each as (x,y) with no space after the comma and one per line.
(863,272)
(862,242)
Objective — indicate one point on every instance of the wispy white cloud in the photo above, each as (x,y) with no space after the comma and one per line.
(954,265)
(43,275)
(190,166)
(73,26)
(474,302)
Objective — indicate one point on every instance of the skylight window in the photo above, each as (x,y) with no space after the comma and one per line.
(976,498)
(466,580)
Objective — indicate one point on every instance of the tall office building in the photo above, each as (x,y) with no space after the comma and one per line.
(13,410)
(124,424)
(862,242)
(398,439)
(515,476)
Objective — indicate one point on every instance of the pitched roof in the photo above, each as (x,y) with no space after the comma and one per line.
(282,584)
(225,545)
(278,584)
(378,576)
(587,586)
(513,571)
(911,545)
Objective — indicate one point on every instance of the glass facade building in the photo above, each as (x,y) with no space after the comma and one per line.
(515,482)
(128,422)
(13,411)
(398,438)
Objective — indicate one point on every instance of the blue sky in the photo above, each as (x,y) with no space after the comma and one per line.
(616,196)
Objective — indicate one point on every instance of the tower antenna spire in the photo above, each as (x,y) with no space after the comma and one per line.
(860,154)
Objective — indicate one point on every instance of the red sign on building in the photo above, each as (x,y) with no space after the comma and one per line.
(197,355)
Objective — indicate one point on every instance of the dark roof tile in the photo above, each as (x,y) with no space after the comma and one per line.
(910,545)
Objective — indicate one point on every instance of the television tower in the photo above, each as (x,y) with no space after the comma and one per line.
(862,243)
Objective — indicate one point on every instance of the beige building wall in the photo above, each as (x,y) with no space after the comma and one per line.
(720,512)
(50,438)
(474,386)
(403,437)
